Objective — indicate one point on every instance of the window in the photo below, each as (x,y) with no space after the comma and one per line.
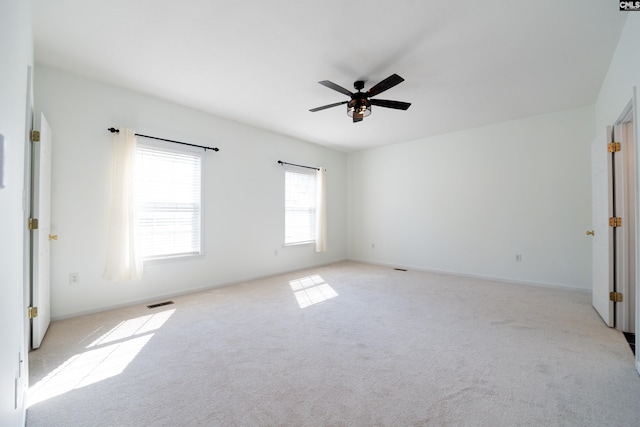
(168,201)
(299,206)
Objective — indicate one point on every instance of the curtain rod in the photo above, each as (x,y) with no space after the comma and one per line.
(300,166)
(114,130)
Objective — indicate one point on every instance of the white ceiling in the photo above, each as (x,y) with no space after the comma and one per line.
(465,64)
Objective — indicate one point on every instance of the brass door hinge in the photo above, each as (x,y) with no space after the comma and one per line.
(33,223)
(615,296)
(35,136)
(32,312)
(615,222)
(614,147)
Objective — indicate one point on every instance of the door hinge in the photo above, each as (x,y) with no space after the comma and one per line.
(32,312)
(33,223)
(615,296)
(615,222)
(614,147)
(35,136)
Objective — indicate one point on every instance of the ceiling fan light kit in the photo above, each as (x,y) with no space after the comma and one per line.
(359,106)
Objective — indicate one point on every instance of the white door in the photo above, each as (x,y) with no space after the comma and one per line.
(41,209)
(602,235)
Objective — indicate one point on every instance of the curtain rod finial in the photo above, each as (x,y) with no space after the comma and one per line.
(113,130)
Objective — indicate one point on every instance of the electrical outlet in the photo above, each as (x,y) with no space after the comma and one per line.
(74,278)
(373,246)
(518,257)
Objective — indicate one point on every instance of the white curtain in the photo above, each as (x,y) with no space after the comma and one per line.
(123,257)
(321,211)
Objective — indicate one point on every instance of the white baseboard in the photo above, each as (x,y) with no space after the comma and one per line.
(476,276)
(160,297)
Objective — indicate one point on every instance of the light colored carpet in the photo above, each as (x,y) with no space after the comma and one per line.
(371,347)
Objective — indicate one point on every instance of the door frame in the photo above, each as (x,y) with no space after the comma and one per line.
(626,175)
(630,112)
(26,212)
(23,371)
(634,115)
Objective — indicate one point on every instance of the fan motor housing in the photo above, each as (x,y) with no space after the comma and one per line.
(359,96)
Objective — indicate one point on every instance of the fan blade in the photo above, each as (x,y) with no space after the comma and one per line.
(357,117)
(332,85)
(313,110)
(387,83)
(398,105)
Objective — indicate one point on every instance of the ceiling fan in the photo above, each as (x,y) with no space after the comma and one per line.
(359,106)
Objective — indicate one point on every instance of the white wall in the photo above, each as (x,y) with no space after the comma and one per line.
(525,183)
(622,77)
(17,55)
(244,201)
(467,202)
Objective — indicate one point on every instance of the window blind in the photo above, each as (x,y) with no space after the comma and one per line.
(300,206)
(168,201)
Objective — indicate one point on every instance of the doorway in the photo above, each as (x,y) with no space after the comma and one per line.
(624,204)
(40,226)
(615,222)
(624,193)
(36,211)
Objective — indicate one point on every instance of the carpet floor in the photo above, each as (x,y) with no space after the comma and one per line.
(343,345)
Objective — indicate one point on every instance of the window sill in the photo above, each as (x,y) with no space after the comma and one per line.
(170,258)
(286,245)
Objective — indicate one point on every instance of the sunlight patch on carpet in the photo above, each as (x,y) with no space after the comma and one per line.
(311,290)
(106,357)
(138,326)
